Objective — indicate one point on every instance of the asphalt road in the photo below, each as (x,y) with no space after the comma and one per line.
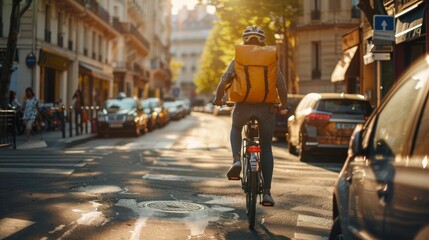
(167,184)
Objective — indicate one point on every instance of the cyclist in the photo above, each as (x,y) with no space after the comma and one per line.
(243,111)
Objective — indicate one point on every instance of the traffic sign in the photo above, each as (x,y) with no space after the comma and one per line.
(384,28)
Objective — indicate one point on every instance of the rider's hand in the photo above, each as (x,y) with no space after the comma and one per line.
(218,102)
(283,108)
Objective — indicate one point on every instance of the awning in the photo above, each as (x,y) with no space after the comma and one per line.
(53,59)
(410,25)
(96,71)
(340,70)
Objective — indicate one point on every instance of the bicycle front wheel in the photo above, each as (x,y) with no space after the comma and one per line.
(251,195)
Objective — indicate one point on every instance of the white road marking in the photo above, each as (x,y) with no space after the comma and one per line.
(59,228)
(54,171)
(45,164)
(316,211)
(171,169)
(303,236)
(312,222)
(164,177)
(10,226)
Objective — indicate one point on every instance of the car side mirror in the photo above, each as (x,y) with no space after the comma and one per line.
(355,145)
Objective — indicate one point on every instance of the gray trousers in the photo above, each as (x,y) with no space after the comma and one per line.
(240,116)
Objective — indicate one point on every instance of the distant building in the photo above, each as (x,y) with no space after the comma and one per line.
(319,31)
(190,29)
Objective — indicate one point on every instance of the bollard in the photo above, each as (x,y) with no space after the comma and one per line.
(70,121)
(62,120)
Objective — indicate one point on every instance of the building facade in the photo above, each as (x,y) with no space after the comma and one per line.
(190,29)
(99,46)
(318,33)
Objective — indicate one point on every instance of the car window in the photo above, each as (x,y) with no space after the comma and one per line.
(391,127)
(422,140)
(123,104)
(345,106)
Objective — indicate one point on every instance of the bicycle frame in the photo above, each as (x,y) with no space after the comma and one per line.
(252,181)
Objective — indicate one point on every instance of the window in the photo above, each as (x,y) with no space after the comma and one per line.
(70,34)
(315,48)
(355,9)
(394,119)
(85,40)
(315,11)
(60,29)
(100,48)
(1,18)
(48,23)
(94,45)
(422,140)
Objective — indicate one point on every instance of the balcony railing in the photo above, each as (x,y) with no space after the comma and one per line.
(316,74)
(47,36)
(315,14)
(95,7)
(128,28)
(60,40)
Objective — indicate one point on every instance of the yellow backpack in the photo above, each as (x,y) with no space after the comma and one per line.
(255,75)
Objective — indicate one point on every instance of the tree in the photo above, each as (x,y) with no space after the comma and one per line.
(176,67)
(19,7)
(234,16)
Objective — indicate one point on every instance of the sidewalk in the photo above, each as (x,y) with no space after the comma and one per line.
(53,139)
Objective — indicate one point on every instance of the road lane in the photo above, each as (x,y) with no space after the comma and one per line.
(130,192)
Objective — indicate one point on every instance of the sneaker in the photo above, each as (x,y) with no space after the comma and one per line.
(267,200)
(234,171)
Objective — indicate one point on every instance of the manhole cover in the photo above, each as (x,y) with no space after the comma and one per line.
(174,206)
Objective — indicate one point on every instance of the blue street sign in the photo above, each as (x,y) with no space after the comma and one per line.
(384,23)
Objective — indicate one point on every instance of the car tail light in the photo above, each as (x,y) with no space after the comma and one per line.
(253,149)
(318,116)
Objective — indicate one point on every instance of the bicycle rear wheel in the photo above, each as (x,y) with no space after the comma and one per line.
(251,195)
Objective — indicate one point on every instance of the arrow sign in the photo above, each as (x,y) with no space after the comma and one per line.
(384,28)
(384,25)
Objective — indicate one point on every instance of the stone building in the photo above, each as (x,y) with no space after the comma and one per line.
(190,29)
(318,49)
(99,46)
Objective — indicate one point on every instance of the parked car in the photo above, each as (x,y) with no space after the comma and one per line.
(323,122)
(175,109)
(224,110)
(158,114)
(382,191)
(280,128)
(122,115)
(208,108)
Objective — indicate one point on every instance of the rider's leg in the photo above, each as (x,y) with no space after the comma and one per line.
(266,131)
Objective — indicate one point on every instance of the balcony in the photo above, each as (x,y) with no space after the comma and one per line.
(315,15)
(95,7)
(60,40)
(47,36)
(131,30)
(316,74)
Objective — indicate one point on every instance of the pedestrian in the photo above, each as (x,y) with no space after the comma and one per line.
(30,108)
(15,105)
(78,103)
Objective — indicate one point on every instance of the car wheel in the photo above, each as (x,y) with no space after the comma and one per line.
(336,233)
(304,155)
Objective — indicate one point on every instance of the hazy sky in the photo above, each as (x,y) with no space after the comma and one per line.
(178,4)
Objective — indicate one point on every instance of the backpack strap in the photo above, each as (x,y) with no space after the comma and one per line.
(266,82)
(246,71)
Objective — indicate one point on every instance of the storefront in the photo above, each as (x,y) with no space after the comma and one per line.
(94,83)
(410,37)
(347,70)
(52,66)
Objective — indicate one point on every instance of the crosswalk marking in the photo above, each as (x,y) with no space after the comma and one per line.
(10,226)
(53,171)
(44,164)
(312,222)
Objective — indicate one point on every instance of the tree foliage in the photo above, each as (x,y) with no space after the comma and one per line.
(235,15)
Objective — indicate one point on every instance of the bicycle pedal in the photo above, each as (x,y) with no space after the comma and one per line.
(267,204)
(234,178)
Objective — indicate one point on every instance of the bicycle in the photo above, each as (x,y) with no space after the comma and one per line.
(252,181)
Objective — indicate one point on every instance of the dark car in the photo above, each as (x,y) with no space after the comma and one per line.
(323,122)
(122,115)
(280,128)
(383,189)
